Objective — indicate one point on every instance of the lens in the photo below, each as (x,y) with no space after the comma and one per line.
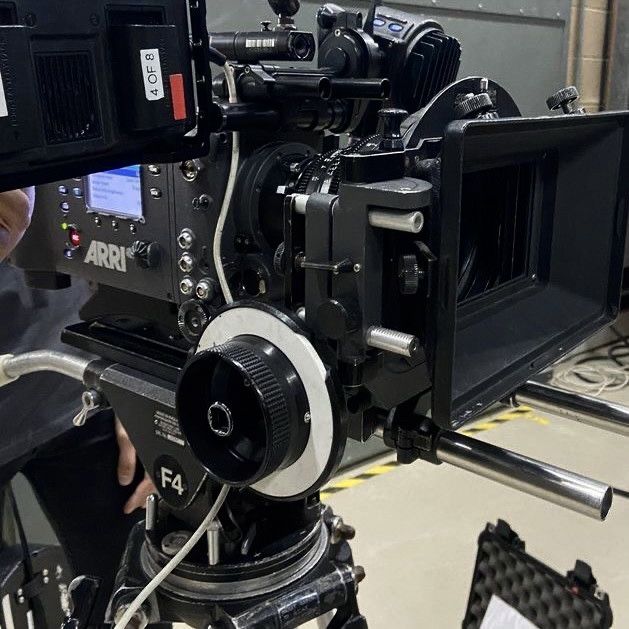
(301,46)
(252,283)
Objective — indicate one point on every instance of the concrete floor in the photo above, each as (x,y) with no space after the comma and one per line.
(417,526)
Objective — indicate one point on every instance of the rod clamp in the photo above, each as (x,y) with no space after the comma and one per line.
(412,438)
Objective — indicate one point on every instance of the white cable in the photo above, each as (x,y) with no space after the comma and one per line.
(220,271)
(174,562)
(229,192)
(590,379)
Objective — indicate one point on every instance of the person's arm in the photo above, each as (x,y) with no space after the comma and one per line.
(127,463)
(16,209)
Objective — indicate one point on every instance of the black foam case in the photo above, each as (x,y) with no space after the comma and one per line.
(546,598)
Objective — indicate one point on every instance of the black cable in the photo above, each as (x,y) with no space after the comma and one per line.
(621,493)
(26,554)
(217,57)
(35,605)
(617,352)
(621,337)
(589,359)
(622,345)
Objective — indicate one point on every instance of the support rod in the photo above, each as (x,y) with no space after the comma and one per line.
(575,406)
(214,543)
(14,367)
(409,222)
(392,341)
(564,488)
(152,506)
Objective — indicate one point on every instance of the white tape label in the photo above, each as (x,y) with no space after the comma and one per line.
(152,73)
(268,43)
(4,110)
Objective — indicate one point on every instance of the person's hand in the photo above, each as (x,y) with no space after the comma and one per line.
(127,462)
(16,209)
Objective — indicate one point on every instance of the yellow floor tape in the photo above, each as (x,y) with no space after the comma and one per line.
(517,414)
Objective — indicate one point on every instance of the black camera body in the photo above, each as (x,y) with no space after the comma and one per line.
(414,257)
(365,247)
(319,230)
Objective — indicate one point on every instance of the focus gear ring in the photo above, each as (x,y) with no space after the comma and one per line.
(271,396)
(243,408)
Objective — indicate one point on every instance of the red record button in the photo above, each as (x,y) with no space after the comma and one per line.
(74,236)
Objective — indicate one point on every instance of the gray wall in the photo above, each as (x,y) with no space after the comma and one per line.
(618,88)
(522,44)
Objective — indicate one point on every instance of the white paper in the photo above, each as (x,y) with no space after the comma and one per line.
(152,73)
(499,615)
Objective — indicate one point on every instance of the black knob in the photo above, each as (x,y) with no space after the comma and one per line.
(243,410)
(327,16)
(392,120)
(564,99)
(336,59)
(146,254)
(409,274)
(285,8)
(473,106)
(335,319)
(192,320)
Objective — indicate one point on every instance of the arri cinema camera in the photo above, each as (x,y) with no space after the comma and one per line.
(358,245)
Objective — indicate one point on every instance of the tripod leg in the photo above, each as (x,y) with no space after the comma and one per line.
(348,616)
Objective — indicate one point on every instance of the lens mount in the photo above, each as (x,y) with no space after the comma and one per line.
(243,410)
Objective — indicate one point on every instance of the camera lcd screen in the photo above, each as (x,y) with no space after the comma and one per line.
(116,192)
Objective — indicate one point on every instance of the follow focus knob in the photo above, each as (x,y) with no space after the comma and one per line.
(243,410)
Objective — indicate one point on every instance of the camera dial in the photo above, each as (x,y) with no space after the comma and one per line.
(258,407)
(242,407)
